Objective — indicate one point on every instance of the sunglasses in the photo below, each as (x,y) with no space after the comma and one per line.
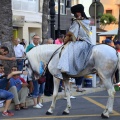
(36,38)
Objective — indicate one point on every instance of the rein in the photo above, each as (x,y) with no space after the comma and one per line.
(50,60)
(46,64)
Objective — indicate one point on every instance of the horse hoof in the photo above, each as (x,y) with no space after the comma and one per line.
(48,113)
(104,117)
(65,113)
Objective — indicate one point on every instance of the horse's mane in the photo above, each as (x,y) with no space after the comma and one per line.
(42,52)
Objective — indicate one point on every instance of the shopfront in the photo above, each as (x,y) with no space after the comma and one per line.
(18,23)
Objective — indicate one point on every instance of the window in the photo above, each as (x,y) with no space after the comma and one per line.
(62,6)
(109,11)
(25,5)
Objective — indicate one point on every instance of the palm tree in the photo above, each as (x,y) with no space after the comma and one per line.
(45,20)
(6,28)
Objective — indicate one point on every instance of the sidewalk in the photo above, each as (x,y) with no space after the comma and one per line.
(29,101)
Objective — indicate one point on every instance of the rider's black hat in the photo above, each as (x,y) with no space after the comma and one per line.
(78,8)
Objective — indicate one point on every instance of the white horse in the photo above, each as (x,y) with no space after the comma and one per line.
(103,59)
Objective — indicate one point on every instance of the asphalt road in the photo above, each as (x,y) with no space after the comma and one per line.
(85,107)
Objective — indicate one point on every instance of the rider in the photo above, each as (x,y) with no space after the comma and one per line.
(77,52)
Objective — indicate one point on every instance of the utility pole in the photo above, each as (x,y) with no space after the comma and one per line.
(52,20)
(95,19)
(58,18)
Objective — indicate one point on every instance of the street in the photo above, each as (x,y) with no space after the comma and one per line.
(85,107)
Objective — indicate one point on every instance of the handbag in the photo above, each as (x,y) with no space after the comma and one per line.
(42,79)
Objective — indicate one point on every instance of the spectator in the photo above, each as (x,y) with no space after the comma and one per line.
(19,89)
(37,89)
(79,81)
(49,78)
(23,42)
(3,52)
(117,47)
(6,95)
(48,91)
(19,53)
(1,70)
(60,39)
(2,75)
(35,42)
(108,42)
(37,94)
(50,41)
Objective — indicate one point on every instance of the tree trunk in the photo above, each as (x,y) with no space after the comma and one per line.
(45,20)
(6,30)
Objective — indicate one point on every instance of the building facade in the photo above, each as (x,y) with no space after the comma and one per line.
(110,7)
(27,18)
(65,16)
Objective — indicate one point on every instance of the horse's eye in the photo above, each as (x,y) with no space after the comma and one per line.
(27,65)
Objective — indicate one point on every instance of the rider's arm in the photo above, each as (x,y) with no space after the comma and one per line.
(74,28)
(73,33)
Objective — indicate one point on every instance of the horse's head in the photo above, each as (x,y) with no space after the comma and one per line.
(27,67)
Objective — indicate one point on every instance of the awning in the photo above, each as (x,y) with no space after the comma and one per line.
(109,33)
(99,30)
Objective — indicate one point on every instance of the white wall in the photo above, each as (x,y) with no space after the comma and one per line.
(29,16)
(86,4)
(27,30)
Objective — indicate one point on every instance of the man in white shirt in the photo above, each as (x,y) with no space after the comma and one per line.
(19,53)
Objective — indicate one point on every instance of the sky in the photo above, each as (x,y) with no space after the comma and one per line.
(86,4)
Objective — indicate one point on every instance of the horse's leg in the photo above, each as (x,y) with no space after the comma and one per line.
(67,91)
(111,92)
(55,93)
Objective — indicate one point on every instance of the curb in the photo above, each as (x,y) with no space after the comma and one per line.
(29,101)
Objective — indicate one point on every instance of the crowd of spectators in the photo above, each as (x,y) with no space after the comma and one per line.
(17,86)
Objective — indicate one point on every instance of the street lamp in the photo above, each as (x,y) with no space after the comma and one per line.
(52,16)
(118,3)
(58,18)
